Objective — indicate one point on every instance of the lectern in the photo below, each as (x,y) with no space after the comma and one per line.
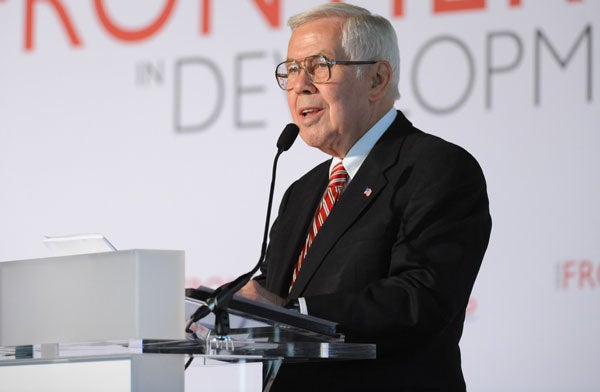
(116,321)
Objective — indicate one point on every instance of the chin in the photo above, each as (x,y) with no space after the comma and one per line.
(309,142)
(313,137)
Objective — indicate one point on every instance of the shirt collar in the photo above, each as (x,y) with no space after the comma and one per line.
(359,151)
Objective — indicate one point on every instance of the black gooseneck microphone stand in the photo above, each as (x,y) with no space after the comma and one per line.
(221,297)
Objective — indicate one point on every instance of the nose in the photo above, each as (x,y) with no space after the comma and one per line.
(302,83)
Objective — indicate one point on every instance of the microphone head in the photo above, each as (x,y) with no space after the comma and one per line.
(287,137)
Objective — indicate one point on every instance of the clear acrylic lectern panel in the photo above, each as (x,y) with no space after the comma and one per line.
(76,309)
(265,333)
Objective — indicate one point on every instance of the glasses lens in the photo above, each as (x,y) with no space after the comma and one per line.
(318,68)
(281,74)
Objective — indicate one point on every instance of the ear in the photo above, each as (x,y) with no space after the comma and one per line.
(376,80)
(380,78)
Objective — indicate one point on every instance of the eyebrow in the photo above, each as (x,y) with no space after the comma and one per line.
(312,55)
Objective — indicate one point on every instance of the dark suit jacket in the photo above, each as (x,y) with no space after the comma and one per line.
(393,264)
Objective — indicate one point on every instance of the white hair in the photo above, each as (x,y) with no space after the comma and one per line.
(365,36)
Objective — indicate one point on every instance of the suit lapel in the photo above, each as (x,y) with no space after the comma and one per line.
(360,193)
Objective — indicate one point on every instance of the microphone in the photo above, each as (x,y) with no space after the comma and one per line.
(223,294)
(287,137)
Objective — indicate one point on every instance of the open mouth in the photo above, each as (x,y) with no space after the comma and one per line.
(309,112)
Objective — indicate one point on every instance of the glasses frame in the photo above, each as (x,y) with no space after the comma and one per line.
(302,63)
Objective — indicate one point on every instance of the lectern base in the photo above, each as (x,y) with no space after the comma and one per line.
(119,373)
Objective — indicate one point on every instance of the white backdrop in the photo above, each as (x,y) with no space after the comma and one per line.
(114,117)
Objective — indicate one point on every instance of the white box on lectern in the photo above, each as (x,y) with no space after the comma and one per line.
(132,294)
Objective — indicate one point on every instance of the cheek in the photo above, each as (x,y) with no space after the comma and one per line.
(342,110)
(291,105)
(350,108)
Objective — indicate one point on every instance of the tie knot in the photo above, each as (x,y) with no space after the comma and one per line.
(338,176)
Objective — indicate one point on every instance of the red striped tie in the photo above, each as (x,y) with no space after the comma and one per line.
(337,180)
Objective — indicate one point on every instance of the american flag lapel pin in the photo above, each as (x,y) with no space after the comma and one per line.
(368,192)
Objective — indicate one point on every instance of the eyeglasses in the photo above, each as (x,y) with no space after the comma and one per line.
(317,68)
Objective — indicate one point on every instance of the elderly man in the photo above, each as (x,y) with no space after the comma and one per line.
(385,238)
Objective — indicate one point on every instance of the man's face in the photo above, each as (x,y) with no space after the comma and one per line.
(333,115)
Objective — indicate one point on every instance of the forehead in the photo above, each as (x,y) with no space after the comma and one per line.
(321,36)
